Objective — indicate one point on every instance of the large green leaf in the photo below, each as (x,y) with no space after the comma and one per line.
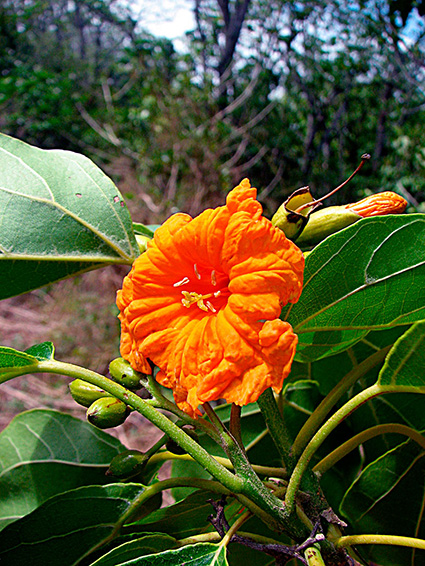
(70,525)
(201,554)
(60,215)
(150,543)
(406,361)
(181,520)
(388,497)
(43,453)
(369,276)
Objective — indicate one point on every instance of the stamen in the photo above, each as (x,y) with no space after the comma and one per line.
(217,294)
(210,306)
(213,278)
(184,281)
(189,298)
(195,268)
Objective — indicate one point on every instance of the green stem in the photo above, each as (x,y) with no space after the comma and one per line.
(157,446)
(245,484)
(229,480)
(331,459)
(267,471)
(321,435)
(320,413)
(254,489)
(163,403)
(393,540)
(276,426)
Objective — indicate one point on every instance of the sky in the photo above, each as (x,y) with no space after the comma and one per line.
(166,18)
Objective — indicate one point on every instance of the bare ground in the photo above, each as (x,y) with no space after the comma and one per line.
(80,317)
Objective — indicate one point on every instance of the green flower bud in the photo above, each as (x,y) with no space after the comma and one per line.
(85,393)
(127,464)
(142,242)
(107,412)
(325,222)
(122,373)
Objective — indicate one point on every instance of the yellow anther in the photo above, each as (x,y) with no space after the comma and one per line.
(190,298)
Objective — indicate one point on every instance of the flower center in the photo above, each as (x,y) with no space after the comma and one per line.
(201,299)
(189,298)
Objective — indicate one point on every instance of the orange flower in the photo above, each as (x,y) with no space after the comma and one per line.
(378,204)
(203,304)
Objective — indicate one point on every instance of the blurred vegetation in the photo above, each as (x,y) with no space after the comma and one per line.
(286,93)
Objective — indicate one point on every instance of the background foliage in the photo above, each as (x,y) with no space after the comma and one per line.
(288,93)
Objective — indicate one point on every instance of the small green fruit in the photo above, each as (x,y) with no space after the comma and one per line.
(107,412)
(127,464)
(85,393)
(122,373)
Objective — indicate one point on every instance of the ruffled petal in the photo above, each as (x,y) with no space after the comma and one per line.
(203,304)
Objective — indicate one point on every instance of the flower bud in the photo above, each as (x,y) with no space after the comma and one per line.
(288,219)
(128,464)
(379,204)
(142,242)
(122,373)
(107,412)
(85,393)
(325,222)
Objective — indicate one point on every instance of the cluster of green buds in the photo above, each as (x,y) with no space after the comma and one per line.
(298,218)
(104,410)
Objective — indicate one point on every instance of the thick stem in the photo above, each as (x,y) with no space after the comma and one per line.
(276,427)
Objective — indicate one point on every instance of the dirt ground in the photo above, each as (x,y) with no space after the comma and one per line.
(80,317)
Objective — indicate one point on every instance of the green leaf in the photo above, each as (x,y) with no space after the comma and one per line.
(43,351)
(61,215)
(143,230)
(148,544)
(388,497)
(11,359)
(201,554)
(405,362)
(181,520)
(43,453)
(370,275)
(68,526)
